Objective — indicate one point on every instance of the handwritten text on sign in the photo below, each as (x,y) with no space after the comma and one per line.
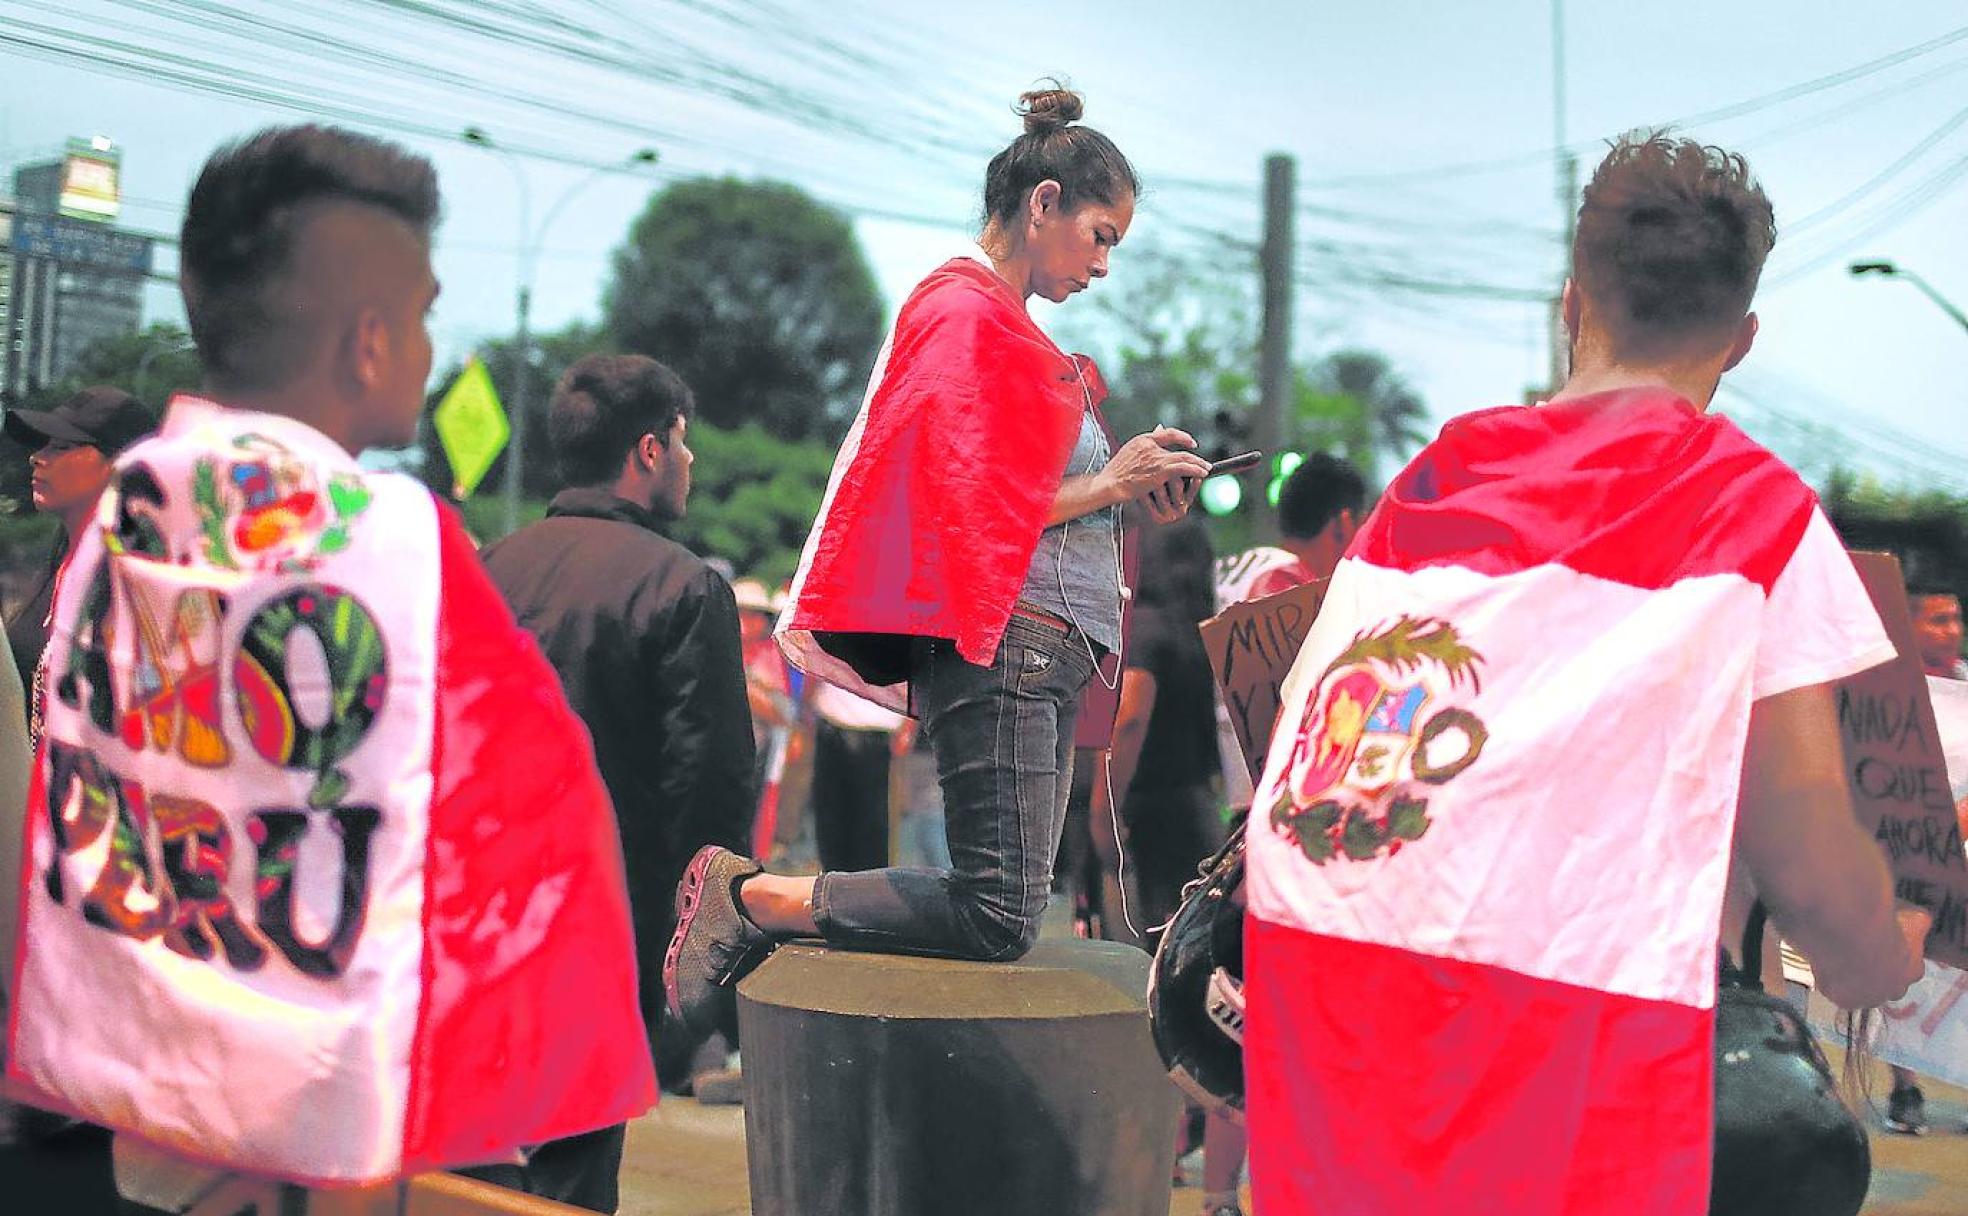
(1898,778)
(1252,646)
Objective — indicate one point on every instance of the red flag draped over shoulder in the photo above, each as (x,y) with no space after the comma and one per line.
(1642,494)
(321,882)
(1489,850)
(941,490)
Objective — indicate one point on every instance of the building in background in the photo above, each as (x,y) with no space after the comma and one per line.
(11,342)
(72,277)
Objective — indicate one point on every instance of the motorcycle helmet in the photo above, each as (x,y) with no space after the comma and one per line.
(1196,987)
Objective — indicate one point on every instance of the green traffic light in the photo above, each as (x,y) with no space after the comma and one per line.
(1221,495)
(1282,466)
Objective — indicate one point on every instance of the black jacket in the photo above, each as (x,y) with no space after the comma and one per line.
(645,638)
(27,621)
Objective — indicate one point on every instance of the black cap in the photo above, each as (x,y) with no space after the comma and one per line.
(107,419)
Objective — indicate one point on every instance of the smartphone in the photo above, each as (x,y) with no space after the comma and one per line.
(1235,464)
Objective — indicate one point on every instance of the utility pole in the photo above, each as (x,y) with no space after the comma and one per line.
(1567,166)
(1274,371)
(522,358)
(530,241)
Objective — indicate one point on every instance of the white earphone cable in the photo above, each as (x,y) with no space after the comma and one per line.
(1120,587)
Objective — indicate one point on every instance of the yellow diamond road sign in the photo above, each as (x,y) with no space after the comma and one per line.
(472,426)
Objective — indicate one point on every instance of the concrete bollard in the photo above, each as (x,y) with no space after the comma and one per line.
(893,1085)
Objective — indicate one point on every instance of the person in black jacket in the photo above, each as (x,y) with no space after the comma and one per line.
(71,449)
(643,633)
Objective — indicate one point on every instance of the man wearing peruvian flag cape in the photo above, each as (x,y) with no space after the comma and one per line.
(966,569)
(321,883)
(1563,716)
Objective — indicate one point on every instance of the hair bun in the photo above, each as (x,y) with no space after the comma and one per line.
(1048,110)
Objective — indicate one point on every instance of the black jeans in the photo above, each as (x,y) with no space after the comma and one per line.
(850,796)
(583,1170)
(54,1165)
(1003,739)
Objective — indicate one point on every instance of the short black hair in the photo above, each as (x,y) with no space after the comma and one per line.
(603,405)
(1320,488)
(239,226)
(1671,239)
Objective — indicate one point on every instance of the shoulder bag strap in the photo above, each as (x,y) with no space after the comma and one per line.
(1752,945)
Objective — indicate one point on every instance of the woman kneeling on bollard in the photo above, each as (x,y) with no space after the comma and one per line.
(965,569)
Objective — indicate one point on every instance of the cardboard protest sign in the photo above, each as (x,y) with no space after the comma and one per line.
(1251,647)
(1899,779)
(1927,1030)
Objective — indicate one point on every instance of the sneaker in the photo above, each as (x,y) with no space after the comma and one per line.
(715,943)
(719,1087)
(1906,1111)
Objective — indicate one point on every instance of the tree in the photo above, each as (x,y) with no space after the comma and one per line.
(150,364)
(1181,332)
(1353,401)
(753,495)
(1183,335)
(1926,529)
(1176,341)
(753,498)
(758,296)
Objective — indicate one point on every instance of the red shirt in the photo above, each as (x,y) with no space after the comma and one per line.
(1281,578)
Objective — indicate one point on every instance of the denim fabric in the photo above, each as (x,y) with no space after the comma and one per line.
(1003,740)
(919,838)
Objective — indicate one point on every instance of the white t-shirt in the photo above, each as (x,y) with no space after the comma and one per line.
(850,712)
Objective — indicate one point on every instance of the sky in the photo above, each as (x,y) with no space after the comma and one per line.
(1422,133)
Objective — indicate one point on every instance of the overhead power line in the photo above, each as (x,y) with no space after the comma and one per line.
(1734,110)
(1919,149)
(1884,216)
(798,85)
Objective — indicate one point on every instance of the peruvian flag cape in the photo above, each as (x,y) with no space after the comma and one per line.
(941,489)
(1488,851)
(320,880)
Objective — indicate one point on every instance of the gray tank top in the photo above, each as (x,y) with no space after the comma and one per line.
(1075,572)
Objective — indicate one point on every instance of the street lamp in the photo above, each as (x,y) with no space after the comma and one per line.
(151,351)
(530,240)
(1891,271)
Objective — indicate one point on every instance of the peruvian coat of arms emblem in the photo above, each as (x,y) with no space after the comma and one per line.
(1379,732)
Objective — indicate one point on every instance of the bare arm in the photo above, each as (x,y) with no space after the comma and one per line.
(1082,494)
(1823,879)
(1158,469)
(1130,728)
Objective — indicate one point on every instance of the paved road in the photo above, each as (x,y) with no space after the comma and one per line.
(689,1160)
(1927,1176)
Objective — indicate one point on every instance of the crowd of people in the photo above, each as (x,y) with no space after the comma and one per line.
(1562,720)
